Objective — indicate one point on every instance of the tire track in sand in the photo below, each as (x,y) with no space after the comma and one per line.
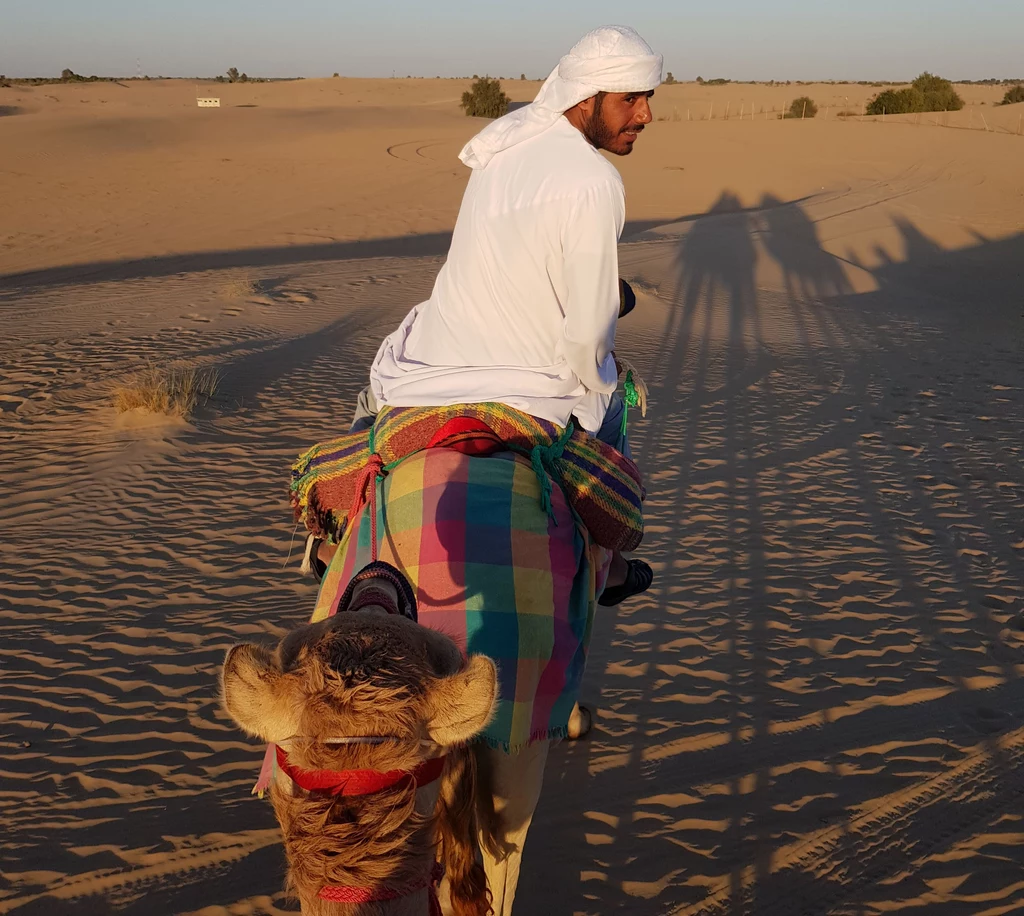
(817,873)
(187,865)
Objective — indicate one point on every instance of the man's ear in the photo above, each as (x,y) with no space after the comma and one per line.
(257,696)
(586,107)
(459,707)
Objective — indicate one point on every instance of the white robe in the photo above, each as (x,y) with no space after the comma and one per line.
(524,310)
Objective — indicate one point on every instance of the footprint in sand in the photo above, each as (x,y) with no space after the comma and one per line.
(283,294)
(987,721)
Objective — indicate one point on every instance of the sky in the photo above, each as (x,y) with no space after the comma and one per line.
(742,39)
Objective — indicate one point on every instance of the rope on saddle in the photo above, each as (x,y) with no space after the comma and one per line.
(542,459)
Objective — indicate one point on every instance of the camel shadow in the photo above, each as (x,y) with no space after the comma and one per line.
(808,451)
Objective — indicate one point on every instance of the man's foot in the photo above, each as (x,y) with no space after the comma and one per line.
(581,721)
(638,579)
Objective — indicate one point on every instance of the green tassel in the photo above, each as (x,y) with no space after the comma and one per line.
(631,398)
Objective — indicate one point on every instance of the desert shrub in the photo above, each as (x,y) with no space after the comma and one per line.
(670,79)
(717,82)
(5,83)
(241,288)
(896,101)
(522,76)
(927,93)
(485,99)
(175,391)
(802,107)
(337,76)
(939,94)
(1013,95)
(233,74)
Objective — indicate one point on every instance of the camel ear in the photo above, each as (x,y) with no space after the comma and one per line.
(259,698)
(459,707)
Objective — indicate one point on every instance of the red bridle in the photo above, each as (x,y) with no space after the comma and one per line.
(359,782)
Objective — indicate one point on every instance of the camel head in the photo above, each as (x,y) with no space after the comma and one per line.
(369,690)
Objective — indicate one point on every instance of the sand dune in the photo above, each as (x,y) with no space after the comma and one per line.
(816,710)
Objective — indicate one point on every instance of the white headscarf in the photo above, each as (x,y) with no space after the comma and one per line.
(613,58)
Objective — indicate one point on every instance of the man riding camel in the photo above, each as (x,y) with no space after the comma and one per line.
(524,310)
(523,314)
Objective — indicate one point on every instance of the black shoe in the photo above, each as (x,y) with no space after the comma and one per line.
(639,577)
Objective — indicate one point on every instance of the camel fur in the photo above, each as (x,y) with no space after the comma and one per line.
(368,673)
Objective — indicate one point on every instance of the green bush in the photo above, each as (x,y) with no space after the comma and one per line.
(1013,95)
(929,82)
(802,107)
(485,99)
(896,101)
(927,93)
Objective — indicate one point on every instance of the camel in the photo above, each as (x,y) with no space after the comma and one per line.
(450,552)
(371,701)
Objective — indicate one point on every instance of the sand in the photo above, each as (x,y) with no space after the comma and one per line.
(816,710)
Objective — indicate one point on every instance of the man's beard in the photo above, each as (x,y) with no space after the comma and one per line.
(599,133)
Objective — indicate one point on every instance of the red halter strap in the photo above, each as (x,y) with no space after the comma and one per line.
(359,782)
(366,782)
(344,894)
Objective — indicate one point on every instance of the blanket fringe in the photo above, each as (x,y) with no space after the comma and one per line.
(558,733)
(307,555)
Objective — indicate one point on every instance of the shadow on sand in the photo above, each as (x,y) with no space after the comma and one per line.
(835,501)
(815,710)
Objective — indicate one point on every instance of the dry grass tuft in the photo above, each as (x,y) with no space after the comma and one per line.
(175,391)
(240,288)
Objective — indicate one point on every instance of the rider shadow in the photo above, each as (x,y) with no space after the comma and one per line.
(790,237)
(796,497)
(635,766)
